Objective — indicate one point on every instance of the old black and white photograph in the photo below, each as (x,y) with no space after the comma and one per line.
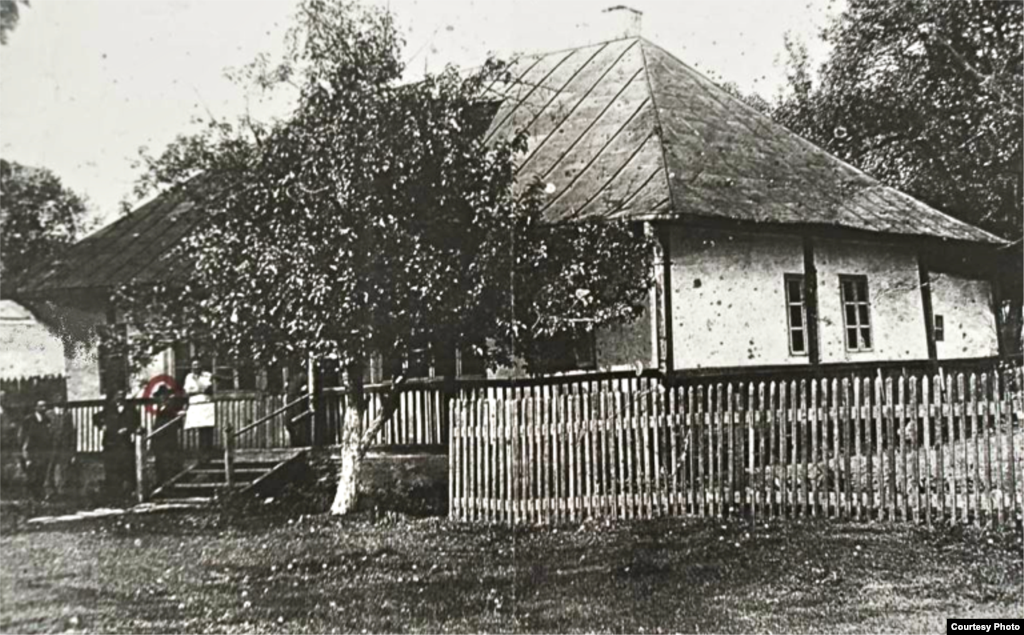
(511,316)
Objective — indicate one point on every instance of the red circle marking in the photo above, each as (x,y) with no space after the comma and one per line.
(159,380)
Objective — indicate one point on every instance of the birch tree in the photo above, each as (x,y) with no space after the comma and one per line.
(373,219)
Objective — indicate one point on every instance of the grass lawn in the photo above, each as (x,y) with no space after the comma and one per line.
(209,572)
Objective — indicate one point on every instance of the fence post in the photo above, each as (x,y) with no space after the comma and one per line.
(229,454)
(312,389)
(140,466)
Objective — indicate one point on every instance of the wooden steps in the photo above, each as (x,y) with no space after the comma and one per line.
(205,480)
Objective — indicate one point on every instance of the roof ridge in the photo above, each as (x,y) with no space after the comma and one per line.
(871,180)
(657,125)
(759,114)
(576,48)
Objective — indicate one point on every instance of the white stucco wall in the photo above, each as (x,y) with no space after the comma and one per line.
(728,298)
(729,309)
(966,308)
(81,355)
(27,347)
(894,292)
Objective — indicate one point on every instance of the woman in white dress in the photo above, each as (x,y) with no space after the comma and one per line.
(199,416)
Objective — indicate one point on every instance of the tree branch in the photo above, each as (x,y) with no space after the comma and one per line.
(388,409)
(981,77)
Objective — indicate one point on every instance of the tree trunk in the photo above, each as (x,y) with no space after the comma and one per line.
(351,454)
(348,481)
(355,439)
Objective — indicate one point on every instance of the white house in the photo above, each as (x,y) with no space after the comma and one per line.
(773,253)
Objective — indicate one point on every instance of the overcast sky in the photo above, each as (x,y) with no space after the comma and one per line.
(85,83)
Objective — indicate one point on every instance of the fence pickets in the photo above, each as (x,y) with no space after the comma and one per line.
(923,449)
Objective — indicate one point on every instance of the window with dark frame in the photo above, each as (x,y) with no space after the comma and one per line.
(856,312)
(796,313)
(940,328)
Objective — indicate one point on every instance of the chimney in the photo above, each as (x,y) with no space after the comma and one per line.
(625,21)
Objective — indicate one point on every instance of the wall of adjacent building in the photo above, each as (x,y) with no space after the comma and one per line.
(894,293)
(728,298)
(965,305)
(729,302)
(27,347)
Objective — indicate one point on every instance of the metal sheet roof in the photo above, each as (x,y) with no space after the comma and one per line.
(620,130)
(625,130)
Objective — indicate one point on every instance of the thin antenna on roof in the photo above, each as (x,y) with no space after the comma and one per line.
(630,20)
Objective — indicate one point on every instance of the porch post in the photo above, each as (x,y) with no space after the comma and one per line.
(926,302)
(811,301)
(665,323)
(229,454)
(140,466)
(314,436)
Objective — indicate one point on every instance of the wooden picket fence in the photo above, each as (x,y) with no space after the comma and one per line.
(421,417)
(920,448)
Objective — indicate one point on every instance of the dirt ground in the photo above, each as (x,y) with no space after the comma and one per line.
(216,572)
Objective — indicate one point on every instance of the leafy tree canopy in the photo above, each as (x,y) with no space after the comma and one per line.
(9,15)
(925,95)
(39,218)
(374,218)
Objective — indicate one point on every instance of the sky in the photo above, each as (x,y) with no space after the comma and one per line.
(85,83)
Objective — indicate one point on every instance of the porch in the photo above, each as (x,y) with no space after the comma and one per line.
(259,437)
(900,442)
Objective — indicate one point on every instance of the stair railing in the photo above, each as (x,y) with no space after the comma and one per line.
(230,435)
(141,454)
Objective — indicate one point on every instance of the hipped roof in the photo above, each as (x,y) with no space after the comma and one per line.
(617,130)
(624,129)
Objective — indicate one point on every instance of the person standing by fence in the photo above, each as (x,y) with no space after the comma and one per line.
(200,414)
(119,421)
(166,451)
(62,460)
(35,444)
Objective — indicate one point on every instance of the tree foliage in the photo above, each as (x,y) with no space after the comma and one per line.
(374,220)
(375,217)
(39,218)
(10,13)
(925,95)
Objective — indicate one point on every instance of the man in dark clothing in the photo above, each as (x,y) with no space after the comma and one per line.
(297,427)
(62,460)
(119,421)
(166,451)
(35,443)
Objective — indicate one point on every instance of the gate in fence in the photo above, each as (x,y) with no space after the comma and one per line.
(922,448)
